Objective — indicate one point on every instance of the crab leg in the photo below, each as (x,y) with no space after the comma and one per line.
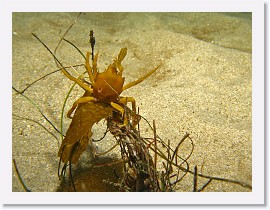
(82,100)
(122,110)
(129,85)
(79,82)
(89,69)
(119,108)
(125,100)
(95,66)
(122,54)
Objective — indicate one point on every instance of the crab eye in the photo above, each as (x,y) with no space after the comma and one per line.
(100,89)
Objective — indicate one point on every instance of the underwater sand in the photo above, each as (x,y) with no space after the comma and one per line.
(203,88)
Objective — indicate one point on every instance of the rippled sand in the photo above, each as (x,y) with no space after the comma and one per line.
(203,88)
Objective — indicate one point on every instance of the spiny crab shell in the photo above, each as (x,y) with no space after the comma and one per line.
(108,84)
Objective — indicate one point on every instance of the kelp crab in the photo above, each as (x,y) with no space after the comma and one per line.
(100,99)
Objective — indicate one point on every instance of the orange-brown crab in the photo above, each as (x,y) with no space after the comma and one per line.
(98,102)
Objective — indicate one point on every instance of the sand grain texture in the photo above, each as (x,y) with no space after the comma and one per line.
(203,88)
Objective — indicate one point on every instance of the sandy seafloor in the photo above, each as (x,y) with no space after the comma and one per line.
(203,88)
